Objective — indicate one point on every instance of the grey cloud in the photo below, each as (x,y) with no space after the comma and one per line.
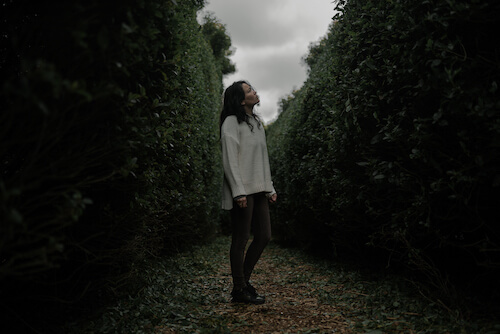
(273,72)
(253,23)
(270,37)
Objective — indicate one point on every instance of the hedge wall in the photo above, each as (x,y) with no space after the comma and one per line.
(108,146)
(390,150)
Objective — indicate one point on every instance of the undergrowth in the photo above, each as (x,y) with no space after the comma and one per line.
(185,294)
(169,293)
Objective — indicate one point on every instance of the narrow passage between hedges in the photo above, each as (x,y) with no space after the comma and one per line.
(191,294)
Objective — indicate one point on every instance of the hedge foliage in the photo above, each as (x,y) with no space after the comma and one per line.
(108,143)
(391,149)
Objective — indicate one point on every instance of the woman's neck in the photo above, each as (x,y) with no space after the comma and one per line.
(249,110)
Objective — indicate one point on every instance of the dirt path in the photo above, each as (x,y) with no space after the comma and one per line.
(307,295)
(293,304)
(190,293)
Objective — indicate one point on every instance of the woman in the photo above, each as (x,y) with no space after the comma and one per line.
(247,185)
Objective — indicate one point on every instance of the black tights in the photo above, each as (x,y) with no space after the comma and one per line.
(255,218)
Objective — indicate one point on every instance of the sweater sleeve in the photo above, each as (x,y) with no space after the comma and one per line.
(230,156)
(271,193)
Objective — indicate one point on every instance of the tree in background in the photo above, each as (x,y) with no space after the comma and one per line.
(216,34)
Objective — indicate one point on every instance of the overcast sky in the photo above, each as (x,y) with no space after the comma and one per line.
(270,38)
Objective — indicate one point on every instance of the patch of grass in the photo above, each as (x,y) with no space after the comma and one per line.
(171,296)
(375,303)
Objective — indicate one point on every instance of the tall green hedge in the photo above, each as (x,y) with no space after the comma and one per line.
(390,150)
(108,145)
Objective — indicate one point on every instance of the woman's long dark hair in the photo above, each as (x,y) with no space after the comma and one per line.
(233,96)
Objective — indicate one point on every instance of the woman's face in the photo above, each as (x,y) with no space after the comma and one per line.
(251,97)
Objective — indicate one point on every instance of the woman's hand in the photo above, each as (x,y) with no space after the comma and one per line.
(242,202)
(272,198)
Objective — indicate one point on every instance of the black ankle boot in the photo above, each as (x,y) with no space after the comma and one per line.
(244,296)
(253,292)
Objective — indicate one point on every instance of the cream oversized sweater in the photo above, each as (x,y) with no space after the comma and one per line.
(245,160)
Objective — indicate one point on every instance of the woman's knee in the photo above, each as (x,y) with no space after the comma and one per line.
(262,238)
(240,241)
